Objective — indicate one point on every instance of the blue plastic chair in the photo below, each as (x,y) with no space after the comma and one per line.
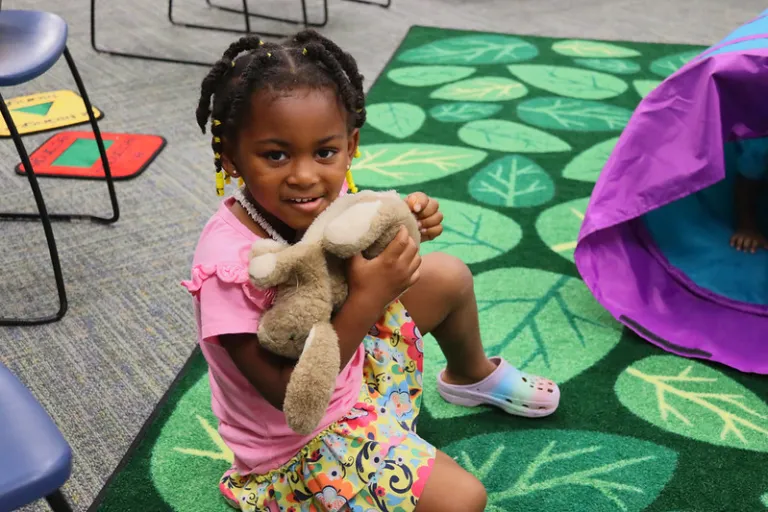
(31,42)
(35,460)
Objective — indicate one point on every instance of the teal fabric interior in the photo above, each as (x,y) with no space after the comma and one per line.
(694,233)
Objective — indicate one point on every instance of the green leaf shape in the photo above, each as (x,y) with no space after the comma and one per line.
(573,115)
(510,137)
(190,440)
(666,66)
(597,49)
(559,226)
(615,66)
(587,165)
(546,469)
(483,88)
(400,120)
(472,49)
(426,76)
(463,112)
(473,233)
(542,322)
(512,181)
(643,87)
(570,82)
(693,400)
(398,164)
(764,499)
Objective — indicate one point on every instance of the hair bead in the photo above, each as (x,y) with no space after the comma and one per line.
(219,183)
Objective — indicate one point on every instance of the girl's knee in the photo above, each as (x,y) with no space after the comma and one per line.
(451,488)
(451,272)
(475,497)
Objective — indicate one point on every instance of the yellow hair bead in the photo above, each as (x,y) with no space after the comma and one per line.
(357,152)
(216,122)
(269,54)
(219,183)
(217,156)
(217,139)
(233,63)
(351,182)
(304,51)
(261,43)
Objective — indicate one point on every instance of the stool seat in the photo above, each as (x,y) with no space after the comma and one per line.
(35,459)
(30,44)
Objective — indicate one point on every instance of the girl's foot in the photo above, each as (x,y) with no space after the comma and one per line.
(508,388)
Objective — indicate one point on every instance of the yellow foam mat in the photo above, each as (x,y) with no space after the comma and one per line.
(46,111)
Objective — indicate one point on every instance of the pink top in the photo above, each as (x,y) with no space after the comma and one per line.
(225,302)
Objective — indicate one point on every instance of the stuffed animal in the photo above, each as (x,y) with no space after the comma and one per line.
(309,277)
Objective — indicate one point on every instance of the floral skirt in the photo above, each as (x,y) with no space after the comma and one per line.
(369,461)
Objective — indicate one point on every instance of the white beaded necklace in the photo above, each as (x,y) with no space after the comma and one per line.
(254,214)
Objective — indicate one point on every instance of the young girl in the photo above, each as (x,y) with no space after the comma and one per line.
(285,122)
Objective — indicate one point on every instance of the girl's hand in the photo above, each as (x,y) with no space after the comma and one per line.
(381,280)
(427,213)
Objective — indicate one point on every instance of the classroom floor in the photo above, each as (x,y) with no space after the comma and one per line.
(100,371)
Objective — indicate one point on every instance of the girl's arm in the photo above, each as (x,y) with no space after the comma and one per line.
(269,374)
(373,284)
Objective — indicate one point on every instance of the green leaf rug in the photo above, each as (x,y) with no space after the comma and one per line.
(510,134)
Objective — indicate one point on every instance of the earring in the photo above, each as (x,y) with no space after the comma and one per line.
(230,175)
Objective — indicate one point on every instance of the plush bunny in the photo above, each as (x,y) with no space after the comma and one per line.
(311,287)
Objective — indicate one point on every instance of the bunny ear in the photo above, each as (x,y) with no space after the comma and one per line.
(353,231)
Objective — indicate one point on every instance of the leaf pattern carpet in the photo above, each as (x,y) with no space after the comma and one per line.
(510,134)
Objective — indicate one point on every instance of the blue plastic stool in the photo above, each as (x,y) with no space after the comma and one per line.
(31,42)
(35,460)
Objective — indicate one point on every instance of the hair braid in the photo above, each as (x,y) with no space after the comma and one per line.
(346,89)
(261,60)
(210,88)
(219,71)
(347,63)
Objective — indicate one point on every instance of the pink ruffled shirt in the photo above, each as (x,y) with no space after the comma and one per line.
(225,302)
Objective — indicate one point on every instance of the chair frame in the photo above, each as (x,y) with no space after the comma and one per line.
(43,214)
(247,15)
(319,24)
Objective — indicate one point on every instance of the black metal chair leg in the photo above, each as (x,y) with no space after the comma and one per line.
(58,502)
(99,141)
(47,227)
(306,22)
(136,55)
(169,60)
(244,12)
(104,162)
(385,5)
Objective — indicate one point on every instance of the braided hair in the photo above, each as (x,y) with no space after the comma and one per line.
(306,60)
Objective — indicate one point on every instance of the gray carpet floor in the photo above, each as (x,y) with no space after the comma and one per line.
(101,370)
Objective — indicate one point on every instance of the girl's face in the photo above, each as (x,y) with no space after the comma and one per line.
(293,153)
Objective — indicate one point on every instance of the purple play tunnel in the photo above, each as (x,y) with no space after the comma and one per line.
(654,246)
